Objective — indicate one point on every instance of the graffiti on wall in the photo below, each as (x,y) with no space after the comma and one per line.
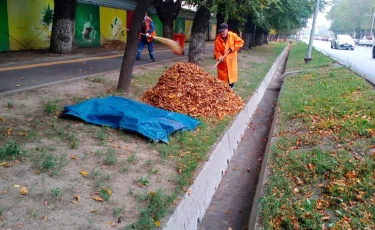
(4,31)
(112,24)
(87,28)
(188,26)
(33,29)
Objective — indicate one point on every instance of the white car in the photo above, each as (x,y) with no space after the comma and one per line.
(365,41)
(343,42)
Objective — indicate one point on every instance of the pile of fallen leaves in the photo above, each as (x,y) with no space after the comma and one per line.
(187,88)
(113,45)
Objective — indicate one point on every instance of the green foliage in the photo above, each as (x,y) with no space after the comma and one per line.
(10,150)
(56,192)
(51,107)
(111,158)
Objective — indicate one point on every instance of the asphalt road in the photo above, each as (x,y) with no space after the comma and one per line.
(29,74)
(360,59)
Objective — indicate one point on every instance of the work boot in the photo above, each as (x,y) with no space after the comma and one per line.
(137,59)
(152,59)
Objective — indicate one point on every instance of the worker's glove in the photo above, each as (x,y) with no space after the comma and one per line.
(230,50)
(148,35)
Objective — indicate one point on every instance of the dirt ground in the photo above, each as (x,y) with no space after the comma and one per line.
(66,164)
(52,201)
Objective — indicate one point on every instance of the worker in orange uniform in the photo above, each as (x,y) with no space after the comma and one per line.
(146,37)
(227,42)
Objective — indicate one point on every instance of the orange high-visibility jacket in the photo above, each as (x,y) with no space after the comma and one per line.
(227,69)
(149,29)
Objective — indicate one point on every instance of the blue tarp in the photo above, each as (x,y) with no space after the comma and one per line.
(119,112)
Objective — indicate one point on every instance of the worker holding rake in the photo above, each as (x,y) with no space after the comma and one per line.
(226,46)
(146,37)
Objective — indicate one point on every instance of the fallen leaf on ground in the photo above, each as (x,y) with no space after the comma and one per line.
(2,119)
(97,198)
(9,132)
(44,218)
(74,202)
(73,157)
(94,210)
(3,192)
(77,197)
(19,85)
(189,192)
(24,191)
(5,164)
(109,222)
(17,185)
(248,170)
(157,223)
(84,173)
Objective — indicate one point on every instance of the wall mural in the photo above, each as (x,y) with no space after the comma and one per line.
(87,28)
(112,24)
(27,24)
(188,26)
(4,31)
(33,29)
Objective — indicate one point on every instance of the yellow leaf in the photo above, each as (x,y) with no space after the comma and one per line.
(84,173)
(109,192)
(9,132)
(17,185)
(73,157)
(44,218)
(157,223)
(108,222)
(24,191)
(94,210)
(77,197)
(22,134)
(97,198)
(5,164)
(74,202)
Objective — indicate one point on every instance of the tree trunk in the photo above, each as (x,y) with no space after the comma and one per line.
(258,36)
(197,41)
(131,45)
(62,36)
(167,12)
(168,28)
(233,25)
(249,28)
(220,17)
(253,34)
(265,38)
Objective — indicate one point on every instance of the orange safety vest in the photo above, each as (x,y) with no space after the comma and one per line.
(147,21)
(227,69)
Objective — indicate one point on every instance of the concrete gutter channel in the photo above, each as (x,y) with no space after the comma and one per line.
(190,211)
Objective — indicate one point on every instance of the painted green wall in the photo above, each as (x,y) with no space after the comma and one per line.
(158,25)
(4,30)
(87,31)
(179,26)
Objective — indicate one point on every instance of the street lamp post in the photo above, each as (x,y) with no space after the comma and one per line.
(372,26)
(308,55)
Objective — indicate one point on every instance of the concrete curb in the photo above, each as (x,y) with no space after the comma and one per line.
(192,208)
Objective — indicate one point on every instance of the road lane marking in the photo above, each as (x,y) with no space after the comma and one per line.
(10,68)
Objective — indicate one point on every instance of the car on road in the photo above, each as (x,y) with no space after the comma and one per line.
(373,50)
(365,41)
(325,38)
(343,41)
(356,41)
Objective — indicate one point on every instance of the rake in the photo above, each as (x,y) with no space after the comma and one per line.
(217,63)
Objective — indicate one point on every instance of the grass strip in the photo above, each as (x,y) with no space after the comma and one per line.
(190,149)
(322,156)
